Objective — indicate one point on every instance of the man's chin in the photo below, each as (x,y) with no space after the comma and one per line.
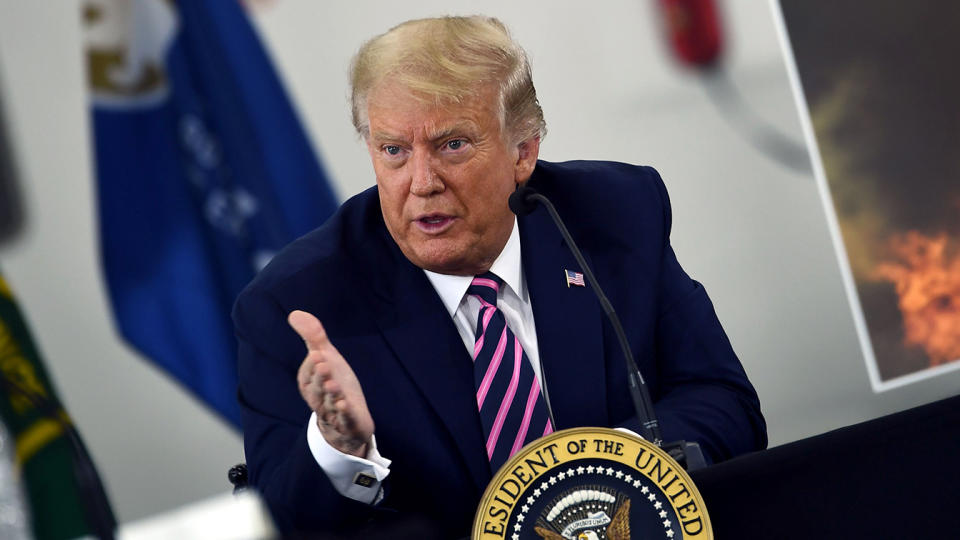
(450,268)
(444,263)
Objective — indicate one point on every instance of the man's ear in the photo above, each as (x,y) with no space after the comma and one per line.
(527,153)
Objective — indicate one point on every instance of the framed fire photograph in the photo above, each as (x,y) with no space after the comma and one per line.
(882,94)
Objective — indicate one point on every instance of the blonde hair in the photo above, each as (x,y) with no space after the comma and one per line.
(449,59)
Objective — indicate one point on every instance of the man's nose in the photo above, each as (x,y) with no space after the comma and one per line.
(425,179)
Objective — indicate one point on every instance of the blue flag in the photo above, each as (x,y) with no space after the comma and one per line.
(204,173)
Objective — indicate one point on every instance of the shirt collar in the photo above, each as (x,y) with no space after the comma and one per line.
(507,265)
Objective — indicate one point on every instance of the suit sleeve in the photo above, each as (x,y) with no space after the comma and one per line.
(281,466)
(702,392)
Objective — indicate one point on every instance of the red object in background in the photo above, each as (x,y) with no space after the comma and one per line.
(694,30)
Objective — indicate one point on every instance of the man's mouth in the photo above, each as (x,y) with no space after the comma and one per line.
(434,223)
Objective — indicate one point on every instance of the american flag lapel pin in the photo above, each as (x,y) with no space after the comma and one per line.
(574,278)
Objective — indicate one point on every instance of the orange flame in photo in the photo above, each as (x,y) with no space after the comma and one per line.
(927,279)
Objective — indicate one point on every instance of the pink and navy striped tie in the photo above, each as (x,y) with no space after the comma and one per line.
(512,410)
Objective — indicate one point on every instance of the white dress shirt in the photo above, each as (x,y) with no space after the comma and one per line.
(360,479)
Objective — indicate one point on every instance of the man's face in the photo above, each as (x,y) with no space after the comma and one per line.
(445,172)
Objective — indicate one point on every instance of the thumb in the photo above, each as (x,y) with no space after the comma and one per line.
(309,329)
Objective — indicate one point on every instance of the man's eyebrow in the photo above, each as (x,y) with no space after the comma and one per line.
(464,128)
(384,136)
(458,128)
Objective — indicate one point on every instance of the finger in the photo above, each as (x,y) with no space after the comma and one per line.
(337,414)
(313,374)
(306,372)
(313,394)
(330,400)
(317,385)
(342,407)
(315,357)
(329,411)
(348,424)
(331,386)
(312,378)
(309,329)
(306,385)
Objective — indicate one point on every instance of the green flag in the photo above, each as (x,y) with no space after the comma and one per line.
(64,495)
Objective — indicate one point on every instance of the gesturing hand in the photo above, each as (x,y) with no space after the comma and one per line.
(331,389)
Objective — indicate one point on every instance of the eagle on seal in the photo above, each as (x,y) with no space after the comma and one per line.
(618,529)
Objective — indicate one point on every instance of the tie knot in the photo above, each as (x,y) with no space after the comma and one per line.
(486,286)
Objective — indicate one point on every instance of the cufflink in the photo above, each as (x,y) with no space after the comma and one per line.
(364,480)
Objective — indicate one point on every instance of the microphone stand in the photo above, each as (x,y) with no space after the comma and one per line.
(688,454)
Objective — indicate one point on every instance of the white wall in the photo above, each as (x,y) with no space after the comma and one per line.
(752,231)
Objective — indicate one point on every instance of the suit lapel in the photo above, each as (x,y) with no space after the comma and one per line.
(569,325)
(419,330)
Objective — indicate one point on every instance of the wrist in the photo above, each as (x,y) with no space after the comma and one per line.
(353,448)
(345,444)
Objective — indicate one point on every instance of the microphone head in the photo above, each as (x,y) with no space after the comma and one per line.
(520,202)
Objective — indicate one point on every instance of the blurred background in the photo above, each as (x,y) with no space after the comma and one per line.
(751,219)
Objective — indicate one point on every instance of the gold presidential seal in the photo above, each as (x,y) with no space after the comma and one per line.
(589,484)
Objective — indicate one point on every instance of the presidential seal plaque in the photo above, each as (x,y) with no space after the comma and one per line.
(589,484)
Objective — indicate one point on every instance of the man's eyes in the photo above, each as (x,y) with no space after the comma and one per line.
(396,150)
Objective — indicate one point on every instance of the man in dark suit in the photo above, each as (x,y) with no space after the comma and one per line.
(377,413)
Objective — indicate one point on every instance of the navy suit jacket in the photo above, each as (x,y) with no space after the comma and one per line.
(383,315)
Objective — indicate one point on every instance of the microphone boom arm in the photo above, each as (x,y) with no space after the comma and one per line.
(638,387)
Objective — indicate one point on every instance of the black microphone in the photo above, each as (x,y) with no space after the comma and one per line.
(523,201)
(520,203)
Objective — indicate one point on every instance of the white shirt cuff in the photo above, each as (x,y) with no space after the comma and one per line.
(353,477)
